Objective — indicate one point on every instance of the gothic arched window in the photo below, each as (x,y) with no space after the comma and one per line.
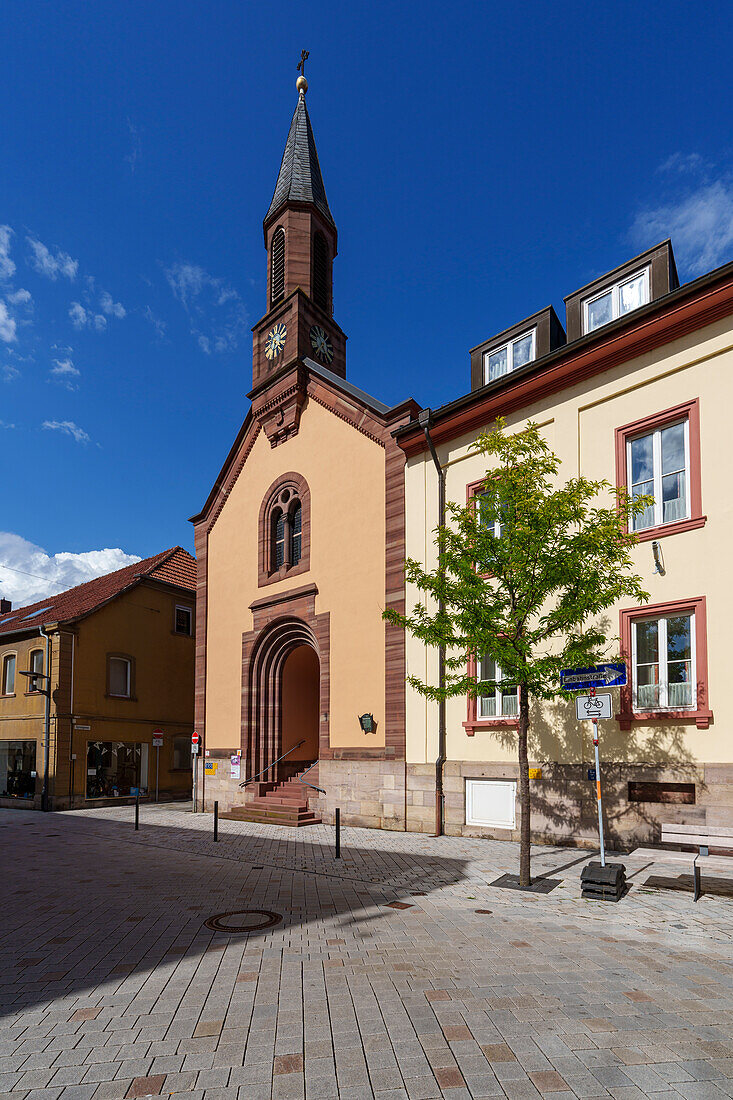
(296,532)
(284,537)
(277,557)
(277,271)
(320,271)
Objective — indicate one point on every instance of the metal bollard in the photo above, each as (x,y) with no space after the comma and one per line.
(137,811)
(338,833)
(216,820)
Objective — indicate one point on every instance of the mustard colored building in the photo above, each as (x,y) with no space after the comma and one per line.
(300,547)
(97,687)
(635,393)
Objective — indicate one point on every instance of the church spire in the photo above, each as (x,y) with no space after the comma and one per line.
(300,178)
(301,241)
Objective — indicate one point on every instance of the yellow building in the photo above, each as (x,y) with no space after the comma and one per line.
(91,681)
(636,394)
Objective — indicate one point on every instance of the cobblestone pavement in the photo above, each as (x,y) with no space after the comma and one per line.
(112,986)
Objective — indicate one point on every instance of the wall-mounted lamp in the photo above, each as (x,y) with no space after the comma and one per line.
(367,723)
(33,685)
(658,559)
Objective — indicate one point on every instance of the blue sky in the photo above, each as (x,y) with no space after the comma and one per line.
(480,160)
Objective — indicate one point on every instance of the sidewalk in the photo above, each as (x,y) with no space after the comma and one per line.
(114,986)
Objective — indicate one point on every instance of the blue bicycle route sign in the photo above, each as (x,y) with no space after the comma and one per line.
(580,679)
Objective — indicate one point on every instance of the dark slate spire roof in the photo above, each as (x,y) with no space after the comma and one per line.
(300,178)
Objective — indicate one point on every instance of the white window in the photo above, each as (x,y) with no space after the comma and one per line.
(183,620)
(517,353)
(491,802)
(658,465)
(487,515)
(9,674)
(616,300)
(119,677)
(35,665)
(501,703)
(663,652)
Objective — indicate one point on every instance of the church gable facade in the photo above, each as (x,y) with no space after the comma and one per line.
(300,547)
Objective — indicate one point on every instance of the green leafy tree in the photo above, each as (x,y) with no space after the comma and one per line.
(524,571)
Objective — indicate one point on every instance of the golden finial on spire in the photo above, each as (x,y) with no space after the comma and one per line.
(301,83)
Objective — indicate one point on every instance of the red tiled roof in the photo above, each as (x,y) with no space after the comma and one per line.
(174,566)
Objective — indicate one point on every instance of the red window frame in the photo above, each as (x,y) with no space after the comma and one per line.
(701,715)
(473,722)
(689,410)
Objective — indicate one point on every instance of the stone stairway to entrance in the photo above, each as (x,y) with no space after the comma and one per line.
(284,803)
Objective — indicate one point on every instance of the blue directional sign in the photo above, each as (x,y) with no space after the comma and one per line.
(580,679)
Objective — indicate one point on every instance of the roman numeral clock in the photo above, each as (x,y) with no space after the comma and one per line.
(321,344)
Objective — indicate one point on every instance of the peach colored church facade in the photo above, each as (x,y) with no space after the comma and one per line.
(629,395)
(300,547)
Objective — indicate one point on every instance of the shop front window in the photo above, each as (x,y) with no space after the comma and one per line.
(116,769)
(17,769)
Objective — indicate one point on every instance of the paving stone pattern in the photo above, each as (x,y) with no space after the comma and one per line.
(113,987)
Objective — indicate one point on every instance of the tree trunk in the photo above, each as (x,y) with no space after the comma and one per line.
(524,796)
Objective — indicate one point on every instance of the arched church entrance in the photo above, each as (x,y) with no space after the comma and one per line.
(300,707)
(284,701)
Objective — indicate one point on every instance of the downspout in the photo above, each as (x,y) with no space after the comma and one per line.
(424,419)
(47,724)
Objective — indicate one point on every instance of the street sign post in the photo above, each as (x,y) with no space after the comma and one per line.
(612,674)
(591,707)
(157,742)
(195,740)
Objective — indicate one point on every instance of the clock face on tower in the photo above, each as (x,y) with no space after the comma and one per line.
(275,341)
(321,344)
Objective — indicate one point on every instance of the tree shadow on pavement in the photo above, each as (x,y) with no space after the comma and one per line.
(92,906)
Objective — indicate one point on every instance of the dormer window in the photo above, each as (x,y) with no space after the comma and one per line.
(615,301)
(513,355)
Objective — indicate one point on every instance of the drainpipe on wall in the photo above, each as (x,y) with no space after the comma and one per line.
(424,419)
(47,724)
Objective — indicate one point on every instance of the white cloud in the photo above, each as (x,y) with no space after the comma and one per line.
(64,371)
(9,373)
(217,315)
(19,297)
(68,427)
(54,573)
(156,322)
(114,309)
(51,264)
(4,424)
(7,324)
(7,267)
(83,318)
(64,367)
(698,216)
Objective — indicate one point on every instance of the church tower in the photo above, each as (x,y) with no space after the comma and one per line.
(301,239)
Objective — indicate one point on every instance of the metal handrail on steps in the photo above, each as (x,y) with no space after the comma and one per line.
(311,785)
(272,765)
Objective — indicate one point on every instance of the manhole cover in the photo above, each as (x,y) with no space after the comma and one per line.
(243,920)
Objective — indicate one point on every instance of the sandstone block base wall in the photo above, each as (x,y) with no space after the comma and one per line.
(387,794)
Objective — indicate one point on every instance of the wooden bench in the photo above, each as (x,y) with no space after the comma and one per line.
(698,836)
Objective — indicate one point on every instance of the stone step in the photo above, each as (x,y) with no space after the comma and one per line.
(289,804)
(271,816)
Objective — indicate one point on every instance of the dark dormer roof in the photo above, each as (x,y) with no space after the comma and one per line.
(300,178)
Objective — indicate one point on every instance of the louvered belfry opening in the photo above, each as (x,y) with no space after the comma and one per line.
(277,276)
(320,271)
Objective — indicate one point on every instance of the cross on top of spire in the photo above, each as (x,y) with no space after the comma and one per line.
(304,55)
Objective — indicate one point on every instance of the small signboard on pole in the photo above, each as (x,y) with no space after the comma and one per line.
(157,744)
(588,708)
